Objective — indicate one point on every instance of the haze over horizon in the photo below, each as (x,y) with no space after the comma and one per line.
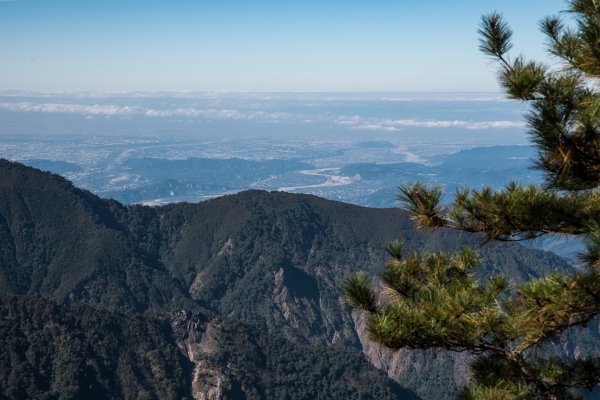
(264,46)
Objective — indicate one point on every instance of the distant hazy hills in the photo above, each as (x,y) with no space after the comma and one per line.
(194,177)
(491,166)
(236,297)
(157,180)
(57,167)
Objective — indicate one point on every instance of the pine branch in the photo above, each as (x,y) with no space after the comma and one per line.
(495,36)
(358,292)
(423,203)
(592,257)
(515,213)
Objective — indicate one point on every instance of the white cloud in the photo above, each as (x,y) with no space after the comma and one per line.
(224,113)
(447,98)
(356,122)
(496,125)
(351,120)
(375,127)
(96,109)
(111,110)
(213,112)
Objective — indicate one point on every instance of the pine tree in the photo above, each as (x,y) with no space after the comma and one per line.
(434,300)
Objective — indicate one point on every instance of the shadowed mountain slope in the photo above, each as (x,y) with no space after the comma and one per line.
(275,262)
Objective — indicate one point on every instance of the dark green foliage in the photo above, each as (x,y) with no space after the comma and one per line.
(434,301)
(516,213)
(592,257)
(395,249)
(359,292)
(67,244)
(522,79)
(564,119)
(423,203)
(266,366)
(494,376)
(578,47)
(72,352)
(495,35)
(54,352)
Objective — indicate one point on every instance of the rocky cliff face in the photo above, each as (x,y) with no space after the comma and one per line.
(193,334)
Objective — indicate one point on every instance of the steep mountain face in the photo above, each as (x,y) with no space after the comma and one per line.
(275,262)
(263,365)
(80,352)
(63,243)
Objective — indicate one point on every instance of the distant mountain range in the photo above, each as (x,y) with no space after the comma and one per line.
(235,297)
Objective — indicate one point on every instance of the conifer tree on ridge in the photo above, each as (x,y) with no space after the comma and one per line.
(434,301)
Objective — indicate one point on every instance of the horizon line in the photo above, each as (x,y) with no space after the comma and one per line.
(116,92)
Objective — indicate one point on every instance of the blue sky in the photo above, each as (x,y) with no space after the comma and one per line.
(207,45)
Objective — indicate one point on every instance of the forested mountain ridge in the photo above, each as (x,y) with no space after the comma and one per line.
(275,262)
(79,351)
